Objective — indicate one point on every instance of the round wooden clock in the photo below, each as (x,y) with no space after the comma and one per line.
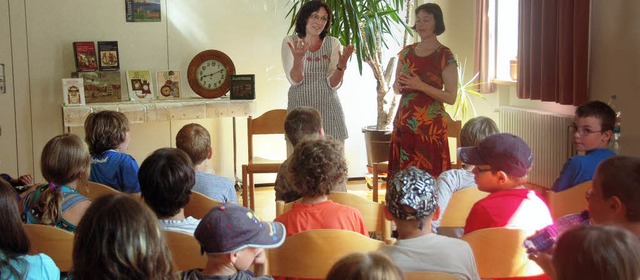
(209,73)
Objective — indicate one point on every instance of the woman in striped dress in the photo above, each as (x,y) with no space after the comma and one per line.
(314,66)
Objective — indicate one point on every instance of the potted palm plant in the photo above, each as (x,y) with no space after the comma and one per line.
(367,25)
(463,109)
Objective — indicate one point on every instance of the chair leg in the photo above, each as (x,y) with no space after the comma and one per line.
(245,183)
(252,193)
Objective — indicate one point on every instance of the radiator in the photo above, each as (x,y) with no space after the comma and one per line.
(549,136)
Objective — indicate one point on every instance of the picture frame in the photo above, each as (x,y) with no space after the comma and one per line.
(243,87)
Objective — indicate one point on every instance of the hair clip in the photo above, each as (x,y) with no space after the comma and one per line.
(52,186)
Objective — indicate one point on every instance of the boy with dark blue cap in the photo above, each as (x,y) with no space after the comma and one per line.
(502,162)
(234,238)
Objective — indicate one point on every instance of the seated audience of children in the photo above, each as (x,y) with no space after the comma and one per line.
(166,178)
(119,238)
(233,239)
(412,204)
(195,140)
(315,168)
(365,266)
(452,180)
(65,163)
(593,127)
(15,260)
(107,134)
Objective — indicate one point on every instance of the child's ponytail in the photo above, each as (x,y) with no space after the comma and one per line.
(48,208)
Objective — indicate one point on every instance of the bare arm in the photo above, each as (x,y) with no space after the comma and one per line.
(335,80)
(292,59)
(450,79)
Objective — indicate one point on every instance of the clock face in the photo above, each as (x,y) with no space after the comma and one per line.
(211,74)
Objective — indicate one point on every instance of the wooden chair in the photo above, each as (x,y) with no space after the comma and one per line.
(185,250)
(372,212)
(199,205)
(271,122)
(453,131)
(429,275)
(311,253)
(459,206)
(52,241)
(499,253)
(95,190)
(568,201)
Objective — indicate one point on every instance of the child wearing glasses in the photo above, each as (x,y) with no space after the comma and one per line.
(593,127)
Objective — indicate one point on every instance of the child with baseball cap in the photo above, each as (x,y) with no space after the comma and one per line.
(234,238)
(502,162)
(412,204)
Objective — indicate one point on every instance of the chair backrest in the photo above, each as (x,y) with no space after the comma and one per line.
(199,205)
(499,253)
(460,205)
(568,201)
(185,250)
(372,212)
(453,131)
(52,241)
(311,253)
(271,122)
(95,190)
(430,275)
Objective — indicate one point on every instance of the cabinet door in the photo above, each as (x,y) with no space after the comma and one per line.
(8,139)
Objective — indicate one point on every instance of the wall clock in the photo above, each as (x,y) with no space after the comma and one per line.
(209,73)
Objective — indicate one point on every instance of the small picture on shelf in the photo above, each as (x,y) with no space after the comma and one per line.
(243,87)
(73,91)
(139,82)
(168,84)
(101,86)
(108,55)
(85,56)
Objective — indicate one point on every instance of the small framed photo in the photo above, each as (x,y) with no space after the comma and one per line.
(243,87)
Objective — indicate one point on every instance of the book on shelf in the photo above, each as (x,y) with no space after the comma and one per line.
(243,86)
(73,91)
(85,56)
(139,84)
(168,84)
(101,86)
(108,56)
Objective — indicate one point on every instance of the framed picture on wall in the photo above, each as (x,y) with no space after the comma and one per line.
(143,11)
(243,86)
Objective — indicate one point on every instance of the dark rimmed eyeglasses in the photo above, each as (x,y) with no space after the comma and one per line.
(583,131)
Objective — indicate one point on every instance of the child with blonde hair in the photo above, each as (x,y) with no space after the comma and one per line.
(65,164)
(107,134)
(195,140)
(365,266)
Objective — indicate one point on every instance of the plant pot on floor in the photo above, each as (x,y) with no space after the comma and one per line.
(377,144)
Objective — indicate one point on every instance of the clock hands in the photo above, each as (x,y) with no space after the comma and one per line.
(204,76)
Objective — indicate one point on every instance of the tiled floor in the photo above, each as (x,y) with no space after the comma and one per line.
(266,205)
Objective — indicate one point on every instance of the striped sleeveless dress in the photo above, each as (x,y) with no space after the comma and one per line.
(314,91)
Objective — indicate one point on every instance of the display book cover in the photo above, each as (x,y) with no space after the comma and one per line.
(108,56)
(243,86)
(101,86)
(85,56)
(73,91)
(168,84)
(140,85)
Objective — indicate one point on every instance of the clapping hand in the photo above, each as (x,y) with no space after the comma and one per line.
(298,48)
(344,56)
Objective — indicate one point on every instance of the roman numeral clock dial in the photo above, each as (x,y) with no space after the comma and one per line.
(209,73)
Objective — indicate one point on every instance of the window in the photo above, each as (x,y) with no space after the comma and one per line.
(503,37)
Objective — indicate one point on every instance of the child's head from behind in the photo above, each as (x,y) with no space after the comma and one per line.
(166,178)
(593,125)
(303,123)
(615,194)
(316,167)
(119,238)
(597,252)
(194,140)
(502,161)
(106,130)
(14,241)
(476,129)
(230,233)
(365,266)
(411,196)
